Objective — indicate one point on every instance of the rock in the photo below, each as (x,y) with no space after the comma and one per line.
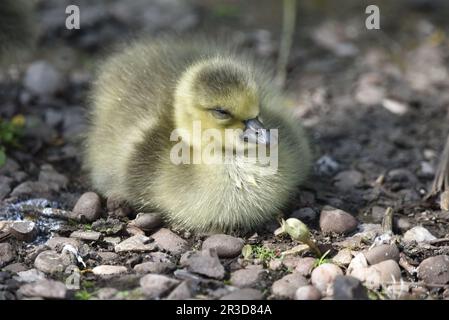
(138,243)
(323,277)
(305,266)
(86,235)
(435,270)
(5,186)
(244,294)
(108,256)
(349,288)
(369,90)
(108,270)
(347,180)
(49,176)
(88,207)
(381,253)
(47,289)
(307,293)
(444,201)
(112,240)
(15,267)
(358,267)
(7,254)
(304,214)
(336,220)
(147,221)
(275,264)
(169,241)
(418,234)
(29,276)
(110,226)
(402,224)
(326,165)
(107,293)
(154,285)
(31,188)
(286,286)
(225,246)
(181,292)
(249,277)
(343,257)
(50,262)
(154,267)
(395,106)
(42,79)
(58,243)
(24,230)
(9,167)
(134,231)
(117,207)
(205,263)
(383,273)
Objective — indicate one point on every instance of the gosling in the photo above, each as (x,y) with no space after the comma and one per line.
(151,88)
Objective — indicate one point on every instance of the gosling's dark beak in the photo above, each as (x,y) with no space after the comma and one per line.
(255,132)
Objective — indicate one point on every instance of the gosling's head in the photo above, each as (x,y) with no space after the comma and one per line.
(220,94)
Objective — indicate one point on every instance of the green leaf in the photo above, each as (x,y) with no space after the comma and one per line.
(247,251)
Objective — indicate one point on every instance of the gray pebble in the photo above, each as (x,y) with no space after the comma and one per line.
(249,277)
(244,294)
(435,270)
(349,288)
(7,254)
(381,253)
(47,289)
(323,277)
(137,243)
(307,293)
(225,246)
(336,220)
(287,286)
(155,285)
(206,263)
(169,241)
(147,221)
(88,207)
(42,79)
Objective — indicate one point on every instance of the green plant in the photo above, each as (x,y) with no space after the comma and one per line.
(83,295)
(10,132)
(259,252)
(322,260)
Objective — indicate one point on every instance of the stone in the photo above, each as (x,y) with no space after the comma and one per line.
(154,267)
(24,230)
(243,294)
(347,180)
(181,292)
(107,293)
(286,286)
(349,288)
(42,79)
(134,231)
(47,289)
(307,293)
(275,264)
(55,180)
(382,273)
(249,277)
(31,188)
(304,214)
(7,254)
(147,221)
(305,266)
(418,234)
(402,224)
(87,207)
(109,227)
(86,235)
(343,257)
(435,270)
(29,276)
(108,256)
(169,241)
(225,246)
(381,253)
(137,243)
(5,186)
(336,220)
(117,207)
(15,267)
(206,263)
(323,277)
(326,165)
(358,267)
(58,243)
(108,270)
(155,286)
(50,262)
(112,240)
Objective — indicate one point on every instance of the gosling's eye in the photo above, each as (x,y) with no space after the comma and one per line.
(220,114)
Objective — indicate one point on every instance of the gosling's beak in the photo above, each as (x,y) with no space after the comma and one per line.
(255,132)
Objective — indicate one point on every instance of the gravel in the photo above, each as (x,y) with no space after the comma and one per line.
(323,277)
(349,288)
(244,294)
(87,207)
(137,243)
(336,220)
(47,289)
(381,253)
(249,277)
(435,270)
(418,234)
(286,286)
(169,241)
(7,254)
(225,246)
(307,293)
(108,270)
(206,263)
(155,286)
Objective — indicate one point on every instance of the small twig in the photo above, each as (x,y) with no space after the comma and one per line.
(288,28)
(387,221)
(438,241)
(411,270)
